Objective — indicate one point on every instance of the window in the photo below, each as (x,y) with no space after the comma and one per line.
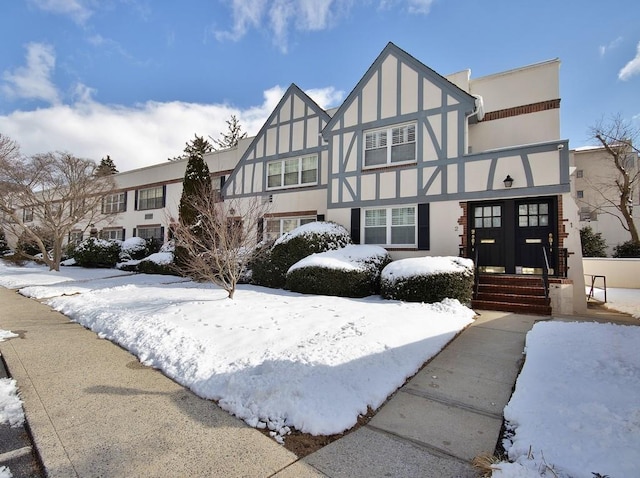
(276,227)
(75,237)
(579,194)
(149,232)
(487,216)
(150,198)
(587,214)
(579,173)
(112,234)
(395,226)
(114,203)
(292,172)
(533,215)
(27,214)
(378,151)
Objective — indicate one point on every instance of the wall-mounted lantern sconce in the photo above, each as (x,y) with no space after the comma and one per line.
(508,181)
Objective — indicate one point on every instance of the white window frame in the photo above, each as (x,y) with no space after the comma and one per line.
(114,203)
(111,234)
(160,238)
(154,198)
(75,237)
(388,138)
(299,162)
(283,222)
(389,225)
(27,214)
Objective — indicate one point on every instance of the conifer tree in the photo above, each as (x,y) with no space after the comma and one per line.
(198,145)
(197,180)
(232,137)
(106,167)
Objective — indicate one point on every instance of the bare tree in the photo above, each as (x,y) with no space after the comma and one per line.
(222,241)
(45,196)
(232,137)
(615,188)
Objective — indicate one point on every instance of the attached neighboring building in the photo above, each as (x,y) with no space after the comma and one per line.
(595,193)
(419,163)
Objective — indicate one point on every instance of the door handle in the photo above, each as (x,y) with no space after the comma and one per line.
(550,241)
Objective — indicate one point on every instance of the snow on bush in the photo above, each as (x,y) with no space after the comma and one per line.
(352,271)
(428,279)
(94,252)
(270,269)
(133,248)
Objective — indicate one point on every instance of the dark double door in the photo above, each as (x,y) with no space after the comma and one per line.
(509,235)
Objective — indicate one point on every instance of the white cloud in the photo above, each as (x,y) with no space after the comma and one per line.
(33,81)
(421,7)
(604,49)
(279,16)
(78,10)
(632,68)
(138,136)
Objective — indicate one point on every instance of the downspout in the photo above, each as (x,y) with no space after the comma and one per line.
(478,111)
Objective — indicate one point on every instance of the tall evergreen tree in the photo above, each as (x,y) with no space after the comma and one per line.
(197,181)
(106,167)
(4,246)
(232,137)
(198,145)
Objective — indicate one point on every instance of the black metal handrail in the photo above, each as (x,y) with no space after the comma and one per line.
(476,274)
(545,273)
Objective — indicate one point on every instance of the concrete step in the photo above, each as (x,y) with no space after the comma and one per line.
(511,307)
(514,298)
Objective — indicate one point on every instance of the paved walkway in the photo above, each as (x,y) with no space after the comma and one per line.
(94,410)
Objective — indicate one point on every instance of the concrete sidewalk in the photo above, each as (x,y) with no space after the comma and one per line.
(94,410)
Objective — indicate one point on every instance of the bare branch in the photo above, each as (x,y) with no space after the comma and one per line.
(219,245)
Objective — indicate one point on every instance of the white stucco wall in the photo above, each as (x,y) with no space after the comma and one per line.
(623,273)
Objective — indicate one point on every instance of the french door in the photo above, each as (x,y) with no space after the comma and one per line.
(514,236)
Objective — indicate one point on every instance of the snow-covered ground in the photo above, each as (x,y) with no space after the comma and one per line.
(278,359)
(274,358)
(10,404)
(575,411)
(622,300)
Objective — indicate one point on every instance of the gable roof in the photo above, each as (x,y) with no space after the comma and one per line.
(293,90)
(403,56)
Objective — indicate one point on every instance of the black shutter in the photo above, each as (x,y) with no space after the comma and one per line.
(125,202)
(162,234)
(164,195)
(320,217)
(222,180)
(355,225)
(134,232)
(260,229)
(123,231)
(423,227)
(102,206)
(135,205)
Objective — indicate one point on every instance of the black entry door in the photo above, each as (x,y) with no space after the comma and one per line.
(535,234)
(488,236)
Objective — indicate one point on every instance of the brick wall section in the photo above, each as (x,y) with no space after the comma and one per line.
(462,222)
(522,110)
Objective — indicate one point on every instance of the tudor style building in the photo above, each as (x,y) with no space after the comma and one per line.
(425,164)
(419,163)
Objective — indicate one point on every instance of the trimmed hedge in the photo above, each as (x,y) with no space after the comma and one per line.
(93,252)
(270,268)
(428,279)
(353,271)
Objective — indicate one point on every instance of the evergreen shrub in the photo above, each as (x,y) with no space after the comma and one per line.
(93,252)
(428,279)
(270,268)
(627,249)
(353,271)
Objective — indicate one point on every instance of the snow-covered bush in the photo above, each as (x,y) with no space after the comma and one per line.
(26,245)
(134,248)
(428,279)
(353,271)
(161,262)
(270,269)
(93,252)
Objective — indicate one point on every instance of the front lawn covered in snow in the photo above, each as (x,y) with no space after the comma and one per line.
(273,358)
(575,411)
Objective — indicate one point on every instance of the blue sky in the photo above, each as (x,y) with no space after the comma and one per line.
(135,79)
